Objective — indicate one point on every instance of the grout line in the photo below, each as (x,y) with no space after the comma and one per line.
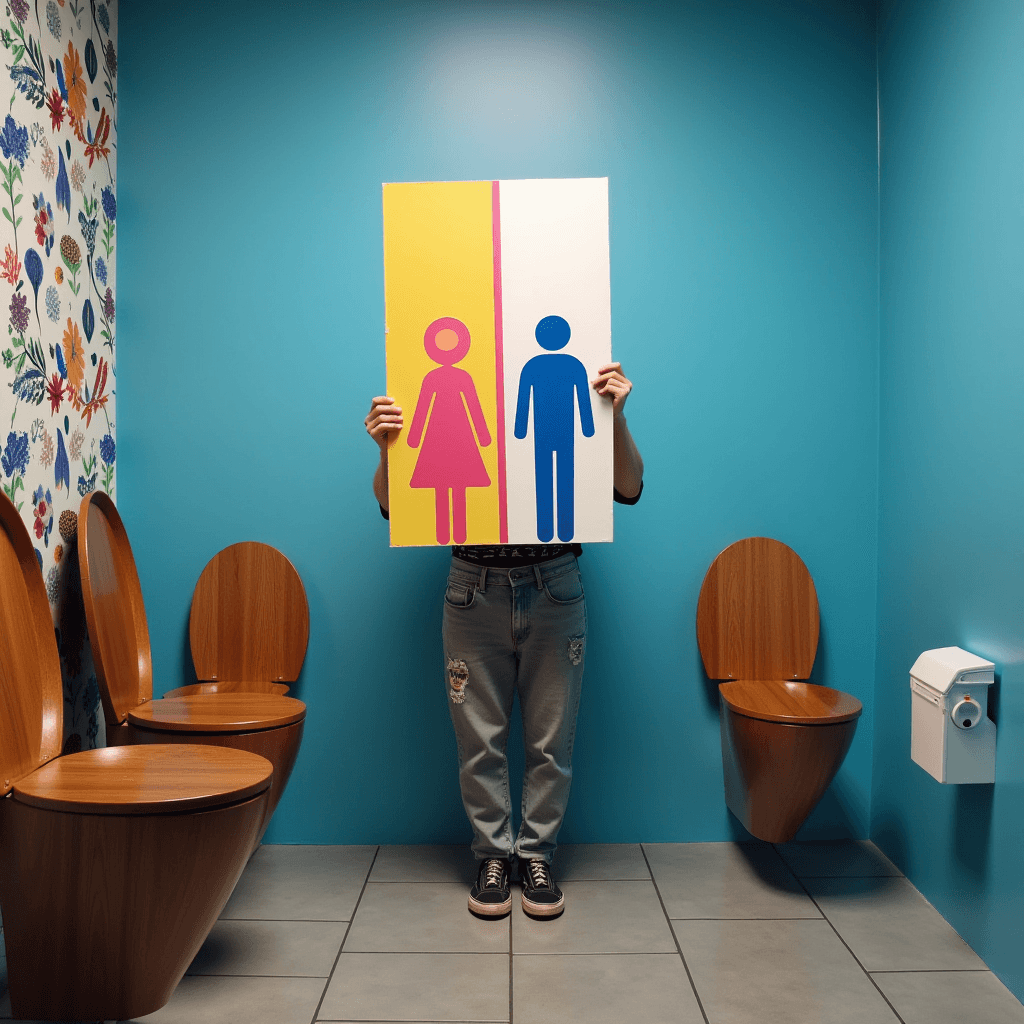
(939,970)
(291,920)
(609,952)
(744,919)
(334,966)
(851,952)
(510,963)
(671,930)
(316,977)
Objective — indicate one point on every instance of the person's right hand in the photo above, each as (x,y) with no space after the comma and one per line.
(384,416)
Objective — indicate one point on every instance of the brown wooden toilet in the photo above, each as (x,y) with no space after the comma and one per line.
(264,723)
(249,623)
(783,739)
(116,862)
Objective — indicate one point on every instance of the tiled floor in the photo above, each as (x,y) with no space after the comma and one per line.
(725,933)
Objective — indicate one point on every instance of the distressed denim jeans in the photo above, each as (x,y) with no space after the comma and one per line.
(506,630)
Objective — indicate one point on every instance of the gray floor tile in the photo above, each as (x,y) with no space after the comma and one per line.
(599,861)
(418,987)
(410,917)
(838,858)
(241,1001)
(425,864)
(726,880)
(777,972)
(939,997)
(890,926)
(301,883)
(599,917)
(644,988)
(270,949)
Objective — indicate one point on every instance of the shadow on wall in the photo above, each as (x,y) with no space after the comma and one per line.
(972,828)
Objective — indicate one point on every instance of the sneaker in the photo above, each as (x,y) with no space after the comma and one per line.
(492,894)
(541,896)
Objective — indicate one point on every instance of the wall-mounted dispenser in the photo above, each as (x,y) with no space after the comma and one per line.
(951,735)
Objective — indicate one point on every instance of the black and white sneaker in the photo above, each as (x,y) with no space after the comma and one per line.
(541,896)
(492,894)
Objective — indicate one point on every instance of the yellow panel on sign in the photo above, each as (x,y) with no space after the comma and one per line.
(439,301)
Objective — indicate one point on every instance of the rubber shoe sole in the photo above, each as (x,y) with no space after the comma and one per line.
(491,909)
(543,909)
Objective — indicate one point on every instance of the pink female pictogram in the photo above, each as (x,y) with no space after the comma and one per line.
(449,458)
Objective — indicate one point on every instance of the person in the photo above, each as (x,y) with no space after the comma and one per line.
(515,620)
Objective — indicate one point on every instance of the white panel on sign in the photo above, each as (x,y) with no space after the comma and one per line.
(556,317)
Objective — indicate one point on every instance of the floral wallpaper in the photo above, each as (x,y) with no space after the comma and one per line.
(58,242)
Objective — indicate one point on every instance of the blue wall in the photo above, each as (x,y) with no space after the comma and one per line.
(952,420)
(740,143)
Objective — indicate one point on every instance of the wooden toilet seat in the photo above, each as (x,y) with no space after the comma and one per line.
(220,712)
(783,738)
(264,723)
(789,701)
(145,780)
(116,862)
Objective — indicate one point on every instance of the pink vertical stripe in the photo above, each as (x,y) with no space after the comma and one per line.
(499,361)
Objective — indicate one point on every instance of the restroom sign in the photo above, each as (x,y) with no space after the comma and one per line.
(498,315)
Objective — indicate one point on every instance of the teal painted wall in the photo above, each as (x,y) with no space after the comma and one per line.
(740,143)
(952,418)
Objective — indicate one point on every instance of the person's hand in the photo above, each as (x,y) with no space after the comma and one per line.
(613,383)
(384,416)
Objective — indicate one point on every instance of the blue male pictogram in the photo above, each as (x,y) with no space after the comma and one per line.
(557,382)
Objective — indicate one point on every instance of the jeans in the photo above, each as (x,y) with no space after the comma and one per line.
(506,630)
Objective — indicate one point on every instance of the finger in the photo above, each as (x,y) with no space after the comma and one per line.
(382,400)
(605,368)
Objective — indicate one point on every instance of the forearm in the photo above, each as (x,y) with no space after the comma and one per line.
(380,481)
(628,465)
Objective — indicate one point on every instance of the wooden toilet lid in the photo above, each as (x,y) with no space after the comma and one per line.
(31,691)
(249,620)
(218,712)
(790,702)
(114,611)
(757,616)
(159,778)
(116,618)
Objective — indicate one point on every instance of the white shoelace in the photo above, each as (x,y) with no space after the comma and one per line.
(492,873)
(538,874)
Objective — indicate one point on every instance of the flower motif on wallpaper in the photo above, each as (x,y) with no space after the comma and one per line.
(42,511)
(53,19)
(72,257)
(44,222)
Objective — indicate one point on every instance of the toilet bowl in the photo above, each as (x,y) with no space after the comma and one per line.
(783,739)
(116,862)
(249,623)
(264,723)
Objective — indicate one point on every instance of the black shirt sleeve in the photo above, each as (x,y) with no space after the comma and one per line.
(623,500)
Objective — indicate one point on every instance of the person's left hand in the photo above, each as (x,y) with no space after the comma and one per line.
(613,383)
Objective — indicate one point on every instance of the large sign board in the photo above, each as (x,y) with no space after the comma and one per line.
(498,315)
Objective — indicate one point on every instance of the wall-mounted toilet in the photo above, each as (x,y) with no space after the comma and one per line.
(264,723)
(115,862)
(249,623)
(783,739)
